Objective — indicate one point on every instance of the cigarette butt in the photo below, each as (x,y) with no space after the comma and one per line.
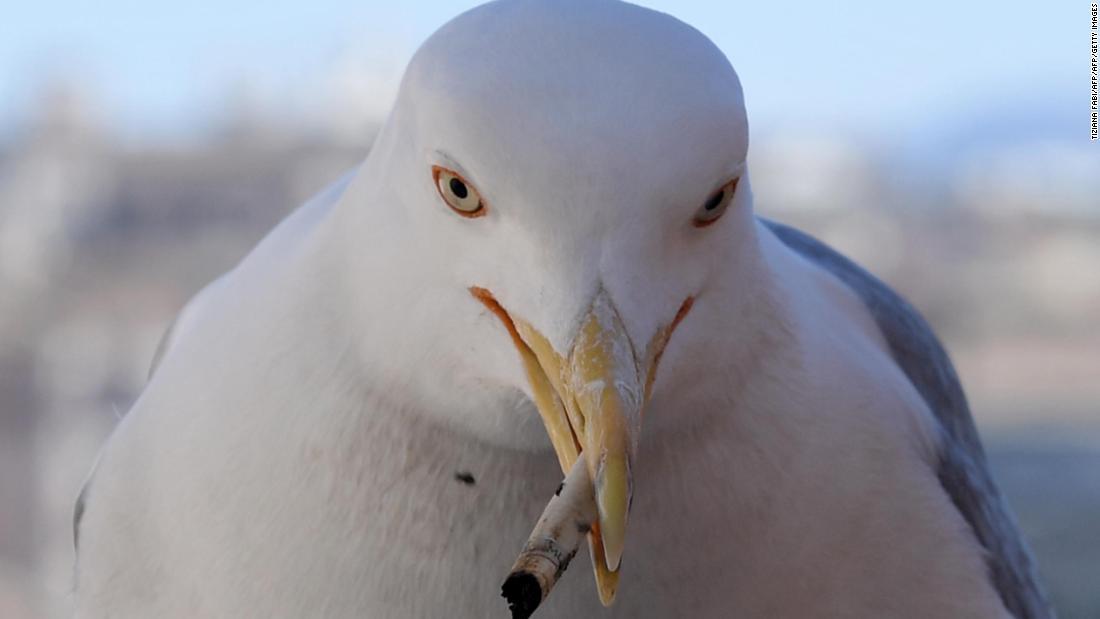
(553,543)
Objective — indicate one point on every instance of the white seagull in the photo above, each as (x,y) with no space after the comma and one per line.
(553,236)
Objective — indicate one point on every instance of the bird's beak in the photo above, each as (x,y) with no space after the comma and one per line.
(591,401)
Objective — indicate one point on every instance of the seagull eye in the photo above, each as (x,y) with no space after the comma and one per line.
(715,205)
(458,193)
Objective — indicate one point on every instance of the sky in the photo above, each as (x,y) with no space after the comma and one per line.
(888,70)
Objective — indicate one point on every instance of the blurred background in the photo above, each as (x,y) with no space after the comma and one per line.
(144,149)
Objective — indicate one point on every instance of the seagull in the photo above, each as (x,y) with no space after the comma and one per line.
(549,256)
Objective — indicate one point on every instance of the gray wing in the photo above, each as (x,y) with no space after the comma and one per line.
(962,466)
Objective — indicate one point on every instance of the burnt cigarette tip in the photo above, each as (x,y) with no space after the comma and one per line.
(523,593)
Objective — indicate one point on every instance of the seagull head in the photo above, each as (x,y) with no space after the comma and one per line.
(560,185)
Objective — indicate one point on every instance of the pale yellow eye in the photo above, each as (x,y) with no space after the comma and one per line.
(716,205)
(459,194)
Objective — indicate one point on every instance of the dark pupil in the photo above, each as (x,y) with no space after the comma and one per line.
(459,189)
(714,201)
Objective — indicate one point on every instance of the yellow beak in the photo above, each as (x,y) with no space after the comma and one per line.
(591,402)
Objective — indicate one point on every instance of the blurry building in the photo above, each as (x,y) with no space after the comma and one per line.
(100,245)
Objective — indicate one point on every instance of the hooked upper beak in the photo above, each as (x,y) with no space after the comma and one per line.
(591,401)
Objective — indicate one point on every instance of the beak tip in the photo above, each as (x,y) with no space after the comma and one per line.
(613,492)
(613,556)
(613,534)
